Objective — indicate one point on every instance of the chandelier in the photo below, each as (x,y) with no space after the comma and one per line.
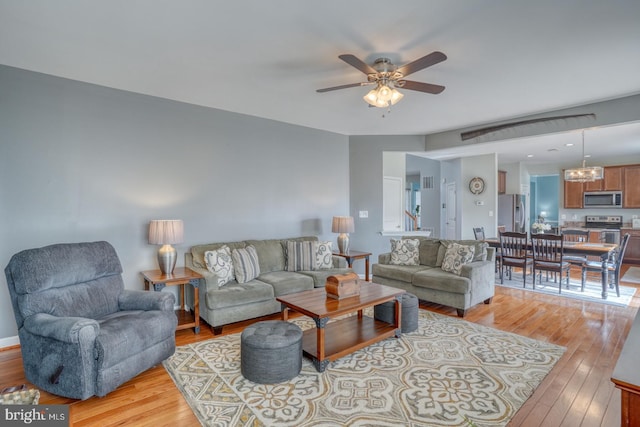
(584,173)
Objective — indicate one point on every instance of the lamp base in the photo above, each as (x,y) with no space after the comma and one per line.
(343,243)
(167,256)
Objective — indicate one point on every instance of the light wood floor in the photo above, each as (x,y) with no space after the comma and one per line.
(577,392)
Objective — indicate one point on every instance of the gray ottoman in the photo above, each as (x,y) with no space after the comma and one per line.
(271,351)
(386,312)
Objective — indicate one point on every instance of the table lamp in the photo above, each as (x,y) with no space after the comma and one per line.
(165,233)
(342,225)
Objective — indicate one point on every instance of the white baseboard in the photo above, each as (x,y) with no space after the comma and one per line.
(9,342)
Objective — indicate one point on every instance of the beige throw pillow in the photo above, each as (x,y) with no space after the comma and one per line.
(324,257)
(457,256)
(405,252)
(220,263)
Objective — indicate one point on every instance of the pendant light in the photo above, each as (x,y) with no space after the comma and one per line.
(584,173)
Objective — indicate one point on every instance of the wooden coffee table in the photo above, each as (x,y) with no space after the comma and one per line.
(330,341)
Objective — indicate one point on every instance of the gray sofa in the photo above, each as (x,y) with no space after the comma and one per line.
(234,302)
(429,282)
(81,333)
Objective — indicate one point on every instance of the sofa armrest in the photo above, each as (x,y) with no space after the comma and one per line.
(479,271)
(491,254)
(384,258)
(338,261)
(145,300)
(66,329)
(210,279)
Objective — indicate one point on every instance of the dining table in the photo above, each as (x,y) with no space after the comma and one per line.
(602,250)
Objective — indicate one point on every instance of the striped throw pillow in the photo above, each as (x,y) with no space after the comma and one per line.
(302,255)
(245,264)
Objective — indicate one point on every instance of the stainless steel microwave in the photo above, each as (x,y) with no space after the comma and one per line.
(602,199)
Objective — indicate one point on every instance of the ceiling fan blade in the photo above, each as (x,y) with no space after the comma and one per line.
(328,89)
(357,63)
(424,62)
(422,87)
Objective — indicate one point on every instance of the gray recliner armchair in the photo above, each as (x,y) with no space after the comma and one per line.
(81,333)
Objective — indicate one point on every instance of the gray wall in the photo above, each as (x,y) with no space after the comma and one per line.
(430,198)
(79,162)
(365,164)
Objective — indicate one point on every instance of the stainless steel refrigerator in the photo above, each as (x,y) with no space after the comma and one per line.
(512,212)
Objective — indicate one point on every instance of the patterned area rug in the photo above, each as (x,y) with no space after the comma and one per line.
(447,373)
(592,289)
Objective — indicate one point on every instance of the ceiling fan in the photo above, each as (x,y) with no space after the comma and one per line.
(388,77)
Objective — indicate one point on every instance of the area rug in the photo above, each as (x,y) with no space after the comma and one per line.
(448,373)
(592,290)
(632,275)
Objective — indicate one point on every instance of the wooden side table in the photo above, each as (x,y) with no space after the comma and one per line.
(354,255)
(180,276)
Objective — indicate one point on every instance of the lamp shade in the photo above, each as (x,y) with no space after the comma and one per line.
(166,231)
(342,224)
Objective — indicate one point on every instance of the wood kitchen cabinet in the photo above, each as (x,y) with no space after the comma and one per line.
(612,180)
(632,254)
(631,182)
(573,195)
(502,182)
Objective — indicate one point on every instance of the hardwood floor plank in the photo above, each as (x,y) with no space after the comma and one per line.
(577,392)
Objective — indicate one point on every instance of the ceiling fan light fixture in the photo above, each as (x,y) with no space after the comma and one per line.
(383,96)
(396,96)
(584,173)
(371,97)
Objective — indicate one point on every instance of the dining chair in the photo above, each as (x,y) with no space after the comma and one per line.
(514,252)
(575,236)
(478,233)
(613,266)
(548,256)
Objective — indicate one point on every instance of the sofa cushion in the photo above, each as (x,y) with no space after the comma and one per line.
(270,254)
(236,294)
(320,276)
(480,249)
(404,273)
(287,282)
(456,256)
(429,251)
(440,280)
(220,263)
(197,252)
(324,256)
(301,255)
(405,252)
(143,329)
(245,264)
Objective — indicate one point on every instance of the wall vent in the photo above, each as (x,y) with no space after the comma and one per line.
(427,182)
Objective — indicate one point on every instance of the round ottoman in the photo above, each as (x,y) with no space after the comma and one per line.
(271,351)
(386,312)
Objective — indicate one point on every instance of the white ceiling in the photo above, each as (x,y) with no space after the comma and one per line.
(506,58)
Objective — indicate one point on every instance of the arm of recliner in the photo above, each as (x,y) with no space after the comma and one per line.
(65,329)
(145,300)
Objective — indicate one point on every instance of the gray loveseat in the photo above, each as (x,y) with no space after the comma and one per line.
(234,302)
(429,282)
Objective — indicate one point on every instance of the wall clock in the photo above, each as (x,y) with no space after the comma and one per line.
(476,185)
